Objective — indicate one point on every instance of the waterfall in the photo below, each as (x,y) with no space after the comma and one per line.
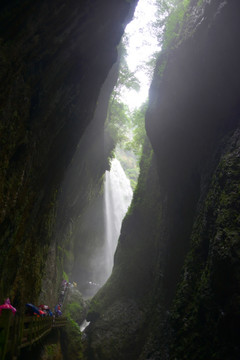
(104,229)
(117,197)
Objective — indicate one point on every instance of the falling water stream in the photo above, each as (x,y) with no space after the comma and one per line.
(117,197)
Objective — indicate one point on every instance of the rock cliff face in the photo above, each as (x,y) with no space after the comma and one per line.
(76,242)
(175,288)
(55,56)
(176,271)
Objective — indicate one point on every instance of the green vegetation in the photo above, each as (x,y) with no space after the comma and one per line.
(162,68)
(140,200)
(125,128)
(164,9)
(52,352)
(169,21)
(130,154)
(118,122)
(128,129)
(74,310)
(138,130)
(72,341)
(174,23)
(129,164)
(65,276)
(75,306)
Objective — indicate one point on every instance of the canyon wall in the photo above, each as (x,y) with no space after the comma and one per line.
(175,288)
(55,56)
(174,291)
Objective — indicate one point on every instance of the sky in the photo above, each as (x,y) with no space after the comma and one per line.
(141,46)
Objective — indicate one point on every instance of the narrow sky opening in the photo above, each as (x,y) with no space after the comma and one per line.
(141,43)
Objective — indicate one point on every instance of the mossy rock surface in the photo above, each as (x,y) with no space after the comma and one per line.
(206,316)
(75,307)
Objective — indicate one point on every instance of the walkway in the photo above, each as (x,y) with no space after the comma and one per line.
(19,332)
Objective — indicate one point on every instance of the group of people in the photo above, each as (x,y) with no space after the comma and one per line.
(65,285)
(63,290)
(30,309)
(42,310)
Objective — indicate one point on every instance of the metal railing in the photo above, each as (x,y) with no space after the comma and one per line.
(18,332)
